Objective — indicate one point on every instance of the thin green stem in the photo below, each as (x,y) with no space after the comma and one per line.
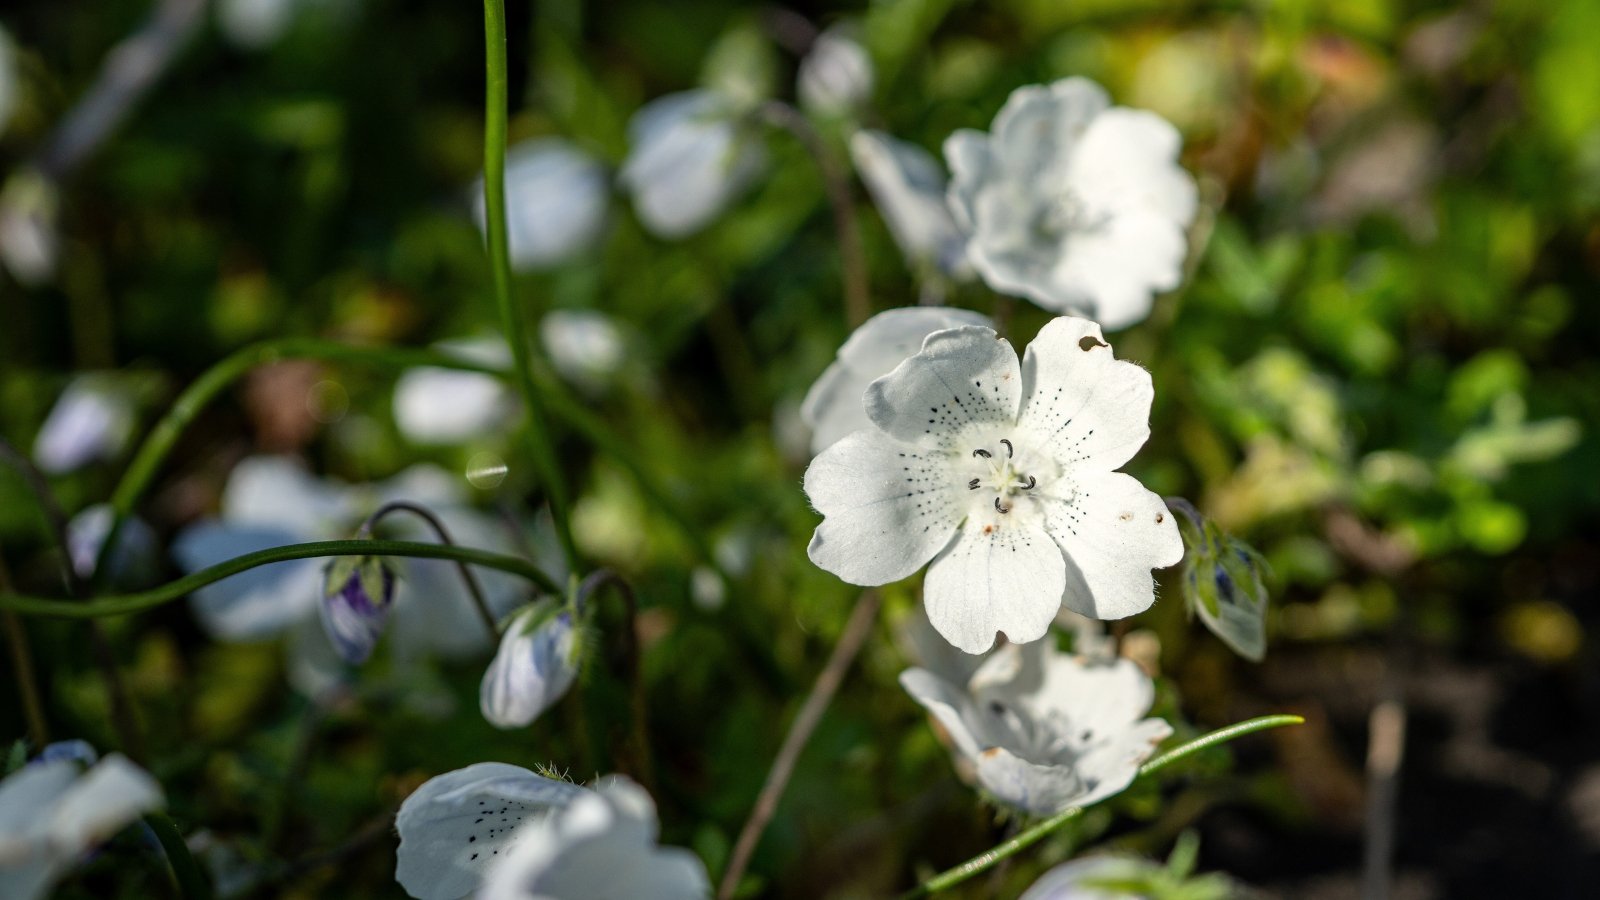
(540,436)
(989,858)
(124,604)
(22,667)
(479,602)
(642,768)
(192,884)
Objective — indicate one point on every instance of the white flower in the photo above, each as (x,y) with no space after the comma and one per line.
(1003,474)
(255,24)
(584,345)
(30,242)
(836,77)
(1092,879)
(908,187)
(134,557)
(534,667)
(1072,203)
(556,199)
(50,815)
(690,159)
(450,406)
(455,825)
(1044,730)
(272,501)
(91,421)
(602,844)
(834,406)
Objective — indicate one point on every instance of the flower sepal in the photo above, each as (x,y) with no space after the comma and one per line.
(1223,582)
(357,594)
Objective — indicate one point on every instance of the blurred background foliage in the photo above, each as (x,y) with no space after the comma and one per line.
(1382,375)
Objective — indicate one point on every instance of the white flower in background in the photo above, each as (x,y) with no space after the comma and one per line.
(691,157)
(908,187)
(255,24)
(585,346)
(455,825)
(135,556)
(1072,203)
(1044,730)
(602,844)
(836,77)
(535,666)
(272,501)
(52,813)
(1095,878)
(1004,475)
(30,243)
(91,421)
(834,407)
(451,406)
(556,198)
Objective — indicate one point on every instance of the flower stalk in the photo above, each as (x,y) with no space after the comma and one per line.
(479,602)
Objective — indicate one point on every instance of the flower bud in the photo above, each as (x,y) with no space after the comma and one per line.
(836,77)
(357,595)
(534,667)
(1222,583)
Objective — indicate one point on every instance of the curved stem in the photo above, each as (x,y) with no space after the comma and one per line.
(827,684)
(852,258)
(124,604)
(990,858)
(511,317)
(426,515)
(639,711)
(192,885)
(22,667)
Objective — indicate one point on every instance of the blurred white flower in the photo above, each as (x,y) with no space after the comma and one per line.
(535,666)
(1094,878)
(272,501)
(602,844)
(836,77)
(556,197)
(52,813)
(91,421)
(455,825)
(450,406)
(1043,730)
(909,189)
(135,555)
(255,24)
(29,242)
(691,157)
(835,406)
(585,346)
(1072,203)
(1002,473)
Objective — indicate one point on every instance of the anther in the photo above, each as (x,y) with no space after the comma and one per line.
(983,453)
(1009,450)
(1030,484)
(1000,509)
(973,484)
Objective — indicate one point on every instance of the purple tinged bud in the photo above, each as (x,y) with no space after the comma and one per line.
(357,596)
(534,667)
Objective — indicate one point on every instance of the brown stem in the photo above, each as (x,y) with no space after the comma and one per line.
(827,684)
(22,667)
(642,769)
(479,602)
(852,258)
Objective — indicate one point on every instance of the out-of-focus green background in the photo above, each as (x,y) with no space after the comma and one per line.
(1383,375)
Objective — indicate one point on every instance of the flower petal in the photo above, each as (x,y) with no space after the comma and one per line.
(276,491)
(1113,532)
(1040,790)
(996,576)
(1129,157)
(1113,272)
(452,827)
(963,379)
(1040,125)
(888,508)
(1111,767)
(112,794)
(1082,405)
(946,703)
(967,153)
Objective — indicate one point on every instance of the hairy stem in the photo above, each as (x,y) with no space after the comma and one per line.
(540,440)
(643,770)
(124,604)
(827,684)
(990,858)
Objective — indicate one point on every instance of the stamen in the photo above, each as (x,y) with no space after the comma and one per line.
(1010,452)
(973,484)
(1030,484)
(983,453)
(1000,509)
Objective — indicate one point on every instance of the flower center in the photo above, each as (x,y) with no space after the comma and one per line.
(996,473)
(1067,213)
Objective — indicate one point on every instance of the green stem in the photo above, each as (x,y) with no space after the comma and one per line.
(192,885)
(989,858)
(123,604)
(479,602)
(511,317)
